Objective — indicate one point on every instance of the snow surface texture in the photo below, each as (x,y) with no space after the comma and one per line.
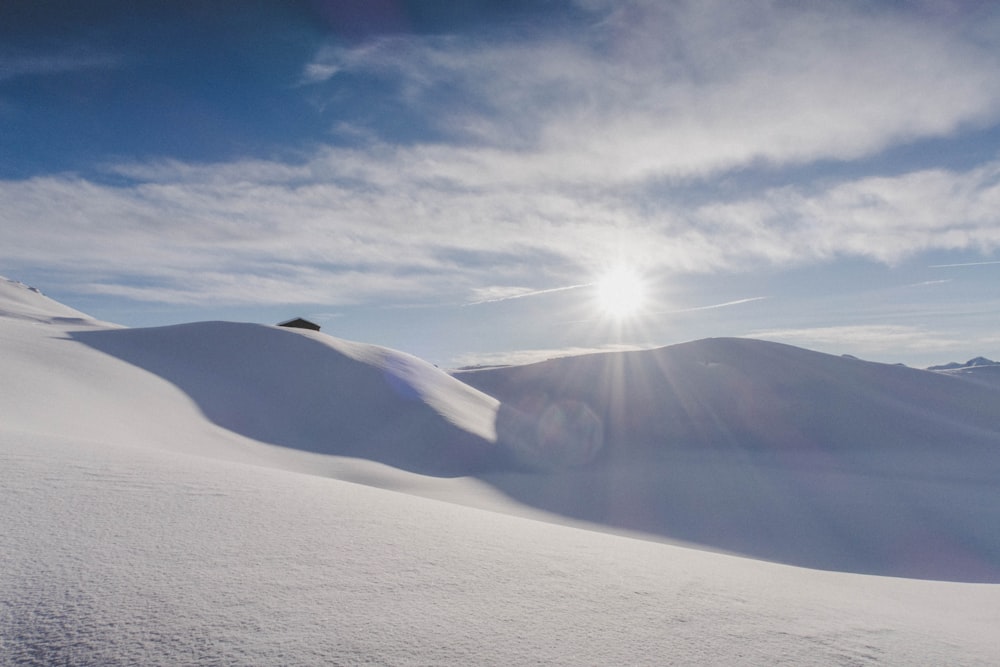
(148,520)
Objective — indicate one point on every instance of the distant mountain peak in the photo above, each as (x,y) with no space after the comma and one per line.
(975,361)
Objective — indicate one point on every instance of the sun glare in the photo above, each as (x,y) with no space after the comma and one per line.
(621,293)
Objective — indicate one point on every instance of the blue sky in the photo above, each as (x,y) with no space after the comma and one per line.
(452,178)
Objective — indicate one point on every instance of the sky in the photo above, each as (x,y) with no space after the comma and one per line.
(456,179)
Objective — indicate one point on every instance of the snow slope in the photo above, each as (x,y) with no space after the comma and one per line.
(313,392)
(752,395)
(984,375)
(19,301)
(147,521)
(777,452)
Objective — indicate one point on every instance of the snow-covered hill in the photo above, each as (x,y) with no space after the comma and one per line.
(188,495)
(777,452)
(755,396)
(313,392)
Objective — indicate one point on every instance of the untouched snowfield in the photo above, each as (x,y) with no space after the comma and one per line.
(222,494)
(779,453)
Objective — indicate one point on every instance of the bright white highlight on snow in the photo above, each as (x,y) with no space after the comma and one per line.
(621,293)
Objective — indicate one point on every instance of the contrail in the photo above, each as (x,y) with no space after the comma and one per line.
(683,310)
(948,266)
(532,293)
(930,282)
(715,305)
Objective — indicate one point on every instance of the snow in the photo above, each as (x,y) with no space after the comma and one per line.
(222,493)
(19,301)
(310,391)
(779,453)
(971,363)
(984,375)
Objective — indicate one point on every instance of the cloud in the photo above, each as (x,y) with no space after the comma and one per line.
(949,266)
(871,338)
(645,90)
(317,71)
(713,306)
(13,66)
(349,226)
(927,283)
(556,151)
(521,357)
(886,219)
(176,241)
(493,294)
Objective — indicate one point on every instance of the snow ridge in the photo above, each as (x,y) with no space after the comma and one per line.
(21,301)
(313,392)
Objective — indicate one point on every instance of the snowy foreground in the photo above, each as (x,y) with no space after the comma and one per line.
(229,494)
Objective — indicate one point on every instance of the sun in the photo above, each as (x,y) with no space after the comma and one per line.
(621,293)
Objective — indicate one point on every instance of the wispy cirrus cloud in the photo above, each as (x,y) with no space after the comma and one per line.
(714,306)
(882,218)
(520,357)
(316,71)
(354,229)
(928,283)
(950,266)
(555,151)
(20,64)
(493,294)
(870,338)
(646,91)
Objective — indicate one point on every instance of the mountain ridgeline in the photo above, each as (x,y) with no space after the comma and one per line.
(748,395)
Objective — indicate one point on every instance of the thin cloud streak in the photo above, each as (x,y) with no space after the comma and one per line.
(927,283)
(645,91)
(949,266)
(713,306)
(521,357)
(522,295)
(23,65)
(868,337)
